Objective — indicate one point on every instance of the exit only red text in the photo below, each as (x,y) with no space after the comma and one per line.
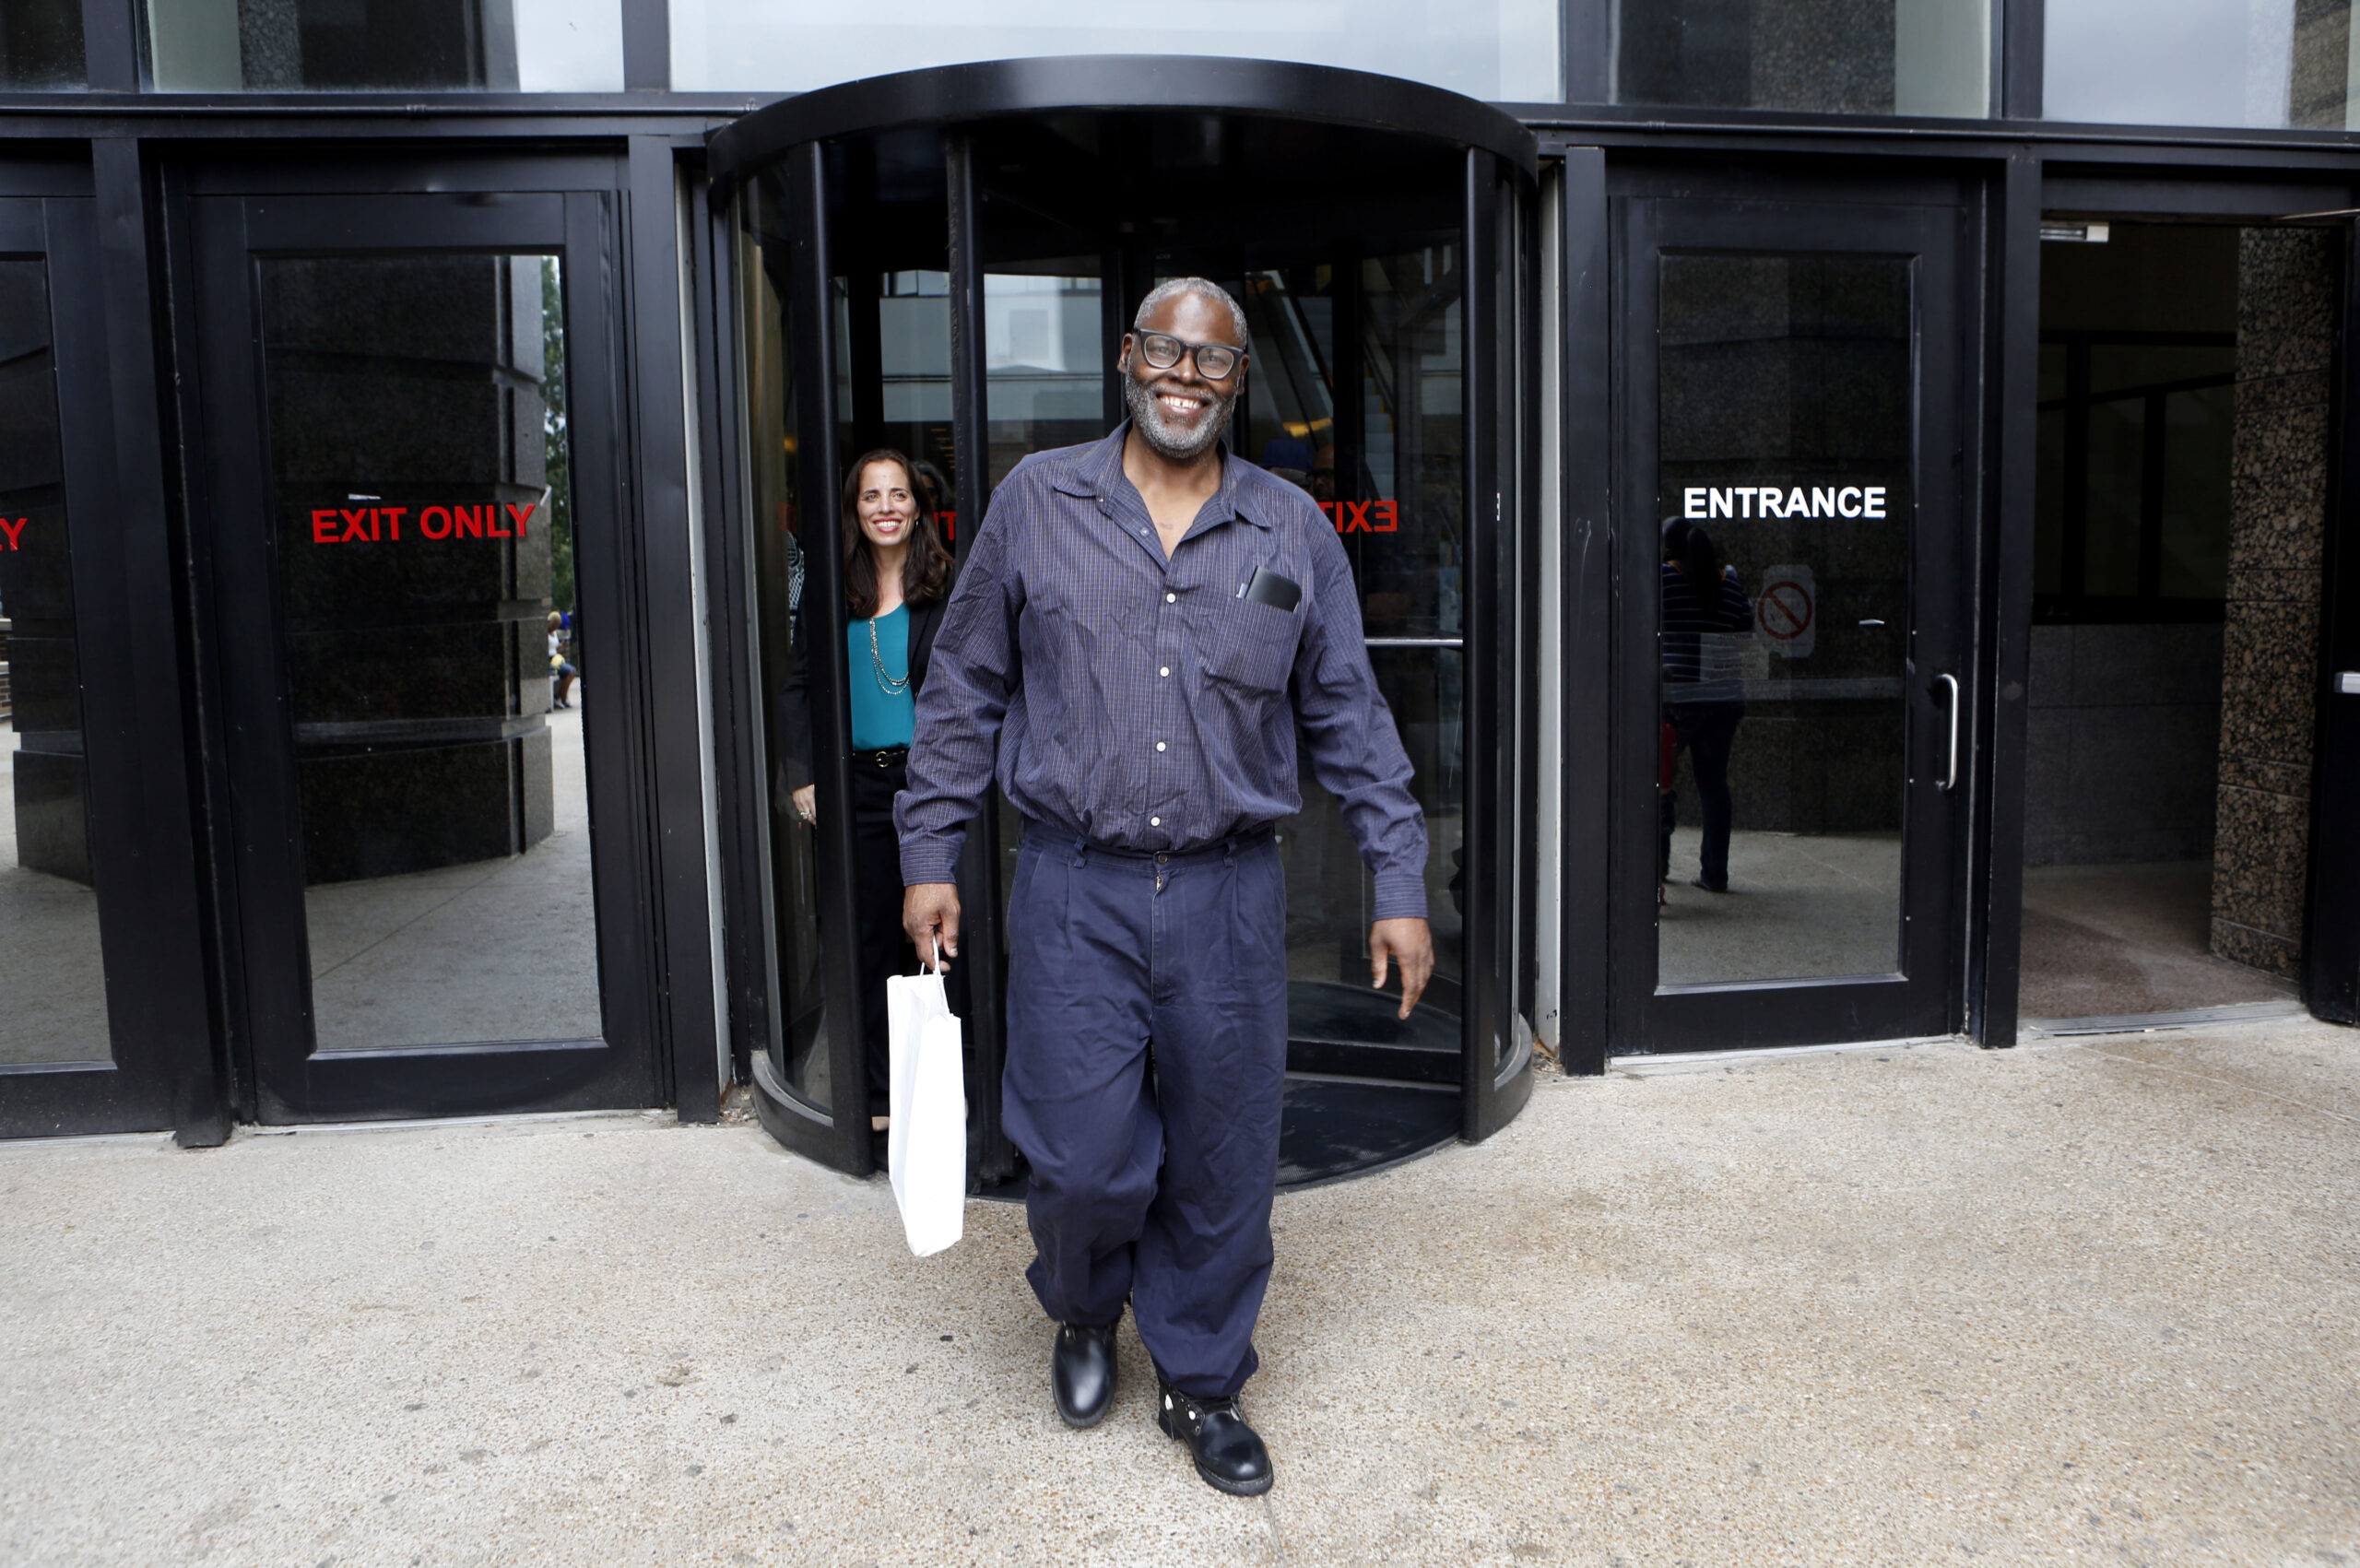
(337,525)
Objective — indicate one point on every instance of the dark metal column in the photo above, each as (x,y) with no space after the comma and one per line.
(983,950)
(1996,856)
(813,322)
(1489,1055)
(1586,456)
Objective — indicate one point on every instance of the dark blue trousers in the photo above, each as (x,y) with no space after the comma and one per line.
(1146,1045)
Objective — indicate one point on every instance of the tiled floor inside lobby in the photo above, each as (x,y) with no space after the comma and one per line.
(2101,940)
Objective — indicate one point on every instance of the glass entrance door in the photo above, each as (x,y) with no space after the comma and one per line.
(424,652)
(1795,687)
(105,999)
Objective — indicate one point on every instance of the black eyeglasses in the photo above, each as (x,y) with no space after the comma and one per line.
(1214,360)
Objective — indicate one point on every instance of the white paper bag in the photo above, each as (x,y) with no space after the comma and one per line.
(926,1148)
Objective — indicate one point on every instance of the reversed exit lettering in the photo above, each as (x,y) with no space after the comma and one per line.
(14,533)
(370,525)
(1363,516)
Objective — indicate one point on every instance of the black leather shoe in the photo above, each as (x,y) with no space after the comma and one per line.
(1081,1373)
(1229,1455)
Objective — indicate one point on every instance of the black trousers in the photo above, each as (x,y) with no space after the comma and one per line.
(877,895)
(1709,731)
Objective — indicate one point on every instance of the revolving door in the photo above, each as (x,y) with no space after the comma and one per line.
(944,262)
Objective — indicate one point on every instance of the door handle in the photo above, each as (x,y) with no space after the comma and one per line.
(1950,773)
(2347,682)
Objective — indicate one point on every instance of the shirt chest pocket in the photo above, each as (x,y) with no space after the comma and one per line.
(1252,645)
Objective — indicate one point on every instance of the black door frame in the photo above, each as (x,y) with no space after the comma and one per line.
(1934,220)
(87,226)
(222,215)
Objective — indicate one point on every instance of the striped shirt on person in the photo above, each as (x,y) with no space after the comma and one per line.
(1702,643)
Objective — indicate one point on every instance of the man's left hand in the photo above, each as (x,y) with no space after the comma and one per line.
(1410,941)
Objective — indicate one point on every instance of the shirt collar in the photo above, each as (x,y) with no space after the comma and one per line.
(1098,474)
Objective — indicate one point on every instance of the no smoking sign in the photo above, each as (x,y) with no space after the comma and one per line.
(1787,611)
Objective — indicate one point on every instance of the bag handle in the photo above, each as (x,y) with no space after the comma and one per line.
(936,964)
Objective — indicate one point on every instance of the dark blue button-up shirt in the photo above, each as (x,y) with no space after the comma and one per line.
(1141,702)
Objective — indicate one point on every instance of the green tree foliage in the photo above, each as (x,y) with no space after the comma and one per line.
(560,471)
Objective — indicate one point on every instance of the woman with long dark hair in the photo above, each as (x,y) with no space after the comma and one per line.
(897,578)
(1705,611)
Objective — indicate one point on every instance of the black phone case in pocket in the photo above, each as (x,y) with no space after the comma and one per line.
(1267,587)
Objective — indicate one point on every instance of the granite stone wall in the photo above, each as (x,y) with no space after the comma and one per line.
(2287,286)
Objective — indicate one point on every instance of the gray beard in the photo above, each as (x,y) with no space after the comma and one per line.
(1147,418)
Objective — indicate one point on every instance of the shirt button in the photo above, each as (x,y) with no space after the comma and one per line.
(1155,821)
(1171,598)
(1159,746)
(1165,671)
(1162,858)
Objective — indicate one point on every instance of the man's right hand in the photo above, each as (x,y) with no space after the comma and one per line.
(930,913)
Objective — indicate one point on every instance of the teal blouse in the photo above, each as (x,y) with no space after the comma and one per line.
(882,719)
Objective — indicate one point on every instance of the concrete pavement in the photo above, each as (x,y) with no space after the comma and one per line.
(2080,1301)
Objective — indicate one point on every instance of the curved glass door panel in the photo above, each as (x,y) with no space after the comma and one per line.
(1382,457)
(797,1058)
(1048,343)
(983,271)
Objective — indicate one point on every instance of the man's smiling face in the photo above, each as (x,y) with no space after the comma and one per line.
(1178,412)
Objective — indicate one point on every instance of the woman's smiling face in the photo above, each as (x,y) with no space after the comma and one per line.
(888,510)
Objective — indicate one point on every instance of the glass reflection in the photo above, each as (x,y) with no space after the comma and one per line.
(1931,57)
(2262,63)
(1045,366)
(1501,51)
(315,45)
(2133,504)
(40,45)
(417,433)
(1785,420)
(49,912)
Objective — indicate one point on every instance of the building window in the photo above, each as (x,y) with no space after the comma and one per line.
(1500,51)
(2133,514)
(2138,366)
(360,45)
(2263,62)
(40,45)
(1931,57)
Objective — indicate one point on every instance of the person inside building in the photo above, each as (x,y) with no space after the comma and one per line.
(1143,623)
(1705,615)
(562,672)
(898,576)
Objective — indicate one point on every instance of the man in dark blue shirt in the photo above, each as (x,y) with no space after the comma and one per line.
(1140,626)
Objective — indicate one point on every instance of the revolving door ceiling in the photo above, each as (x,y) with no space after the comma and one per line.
(944,264)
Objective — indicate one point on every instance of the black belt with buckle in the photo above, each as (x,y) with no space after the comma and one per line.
(891,757)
